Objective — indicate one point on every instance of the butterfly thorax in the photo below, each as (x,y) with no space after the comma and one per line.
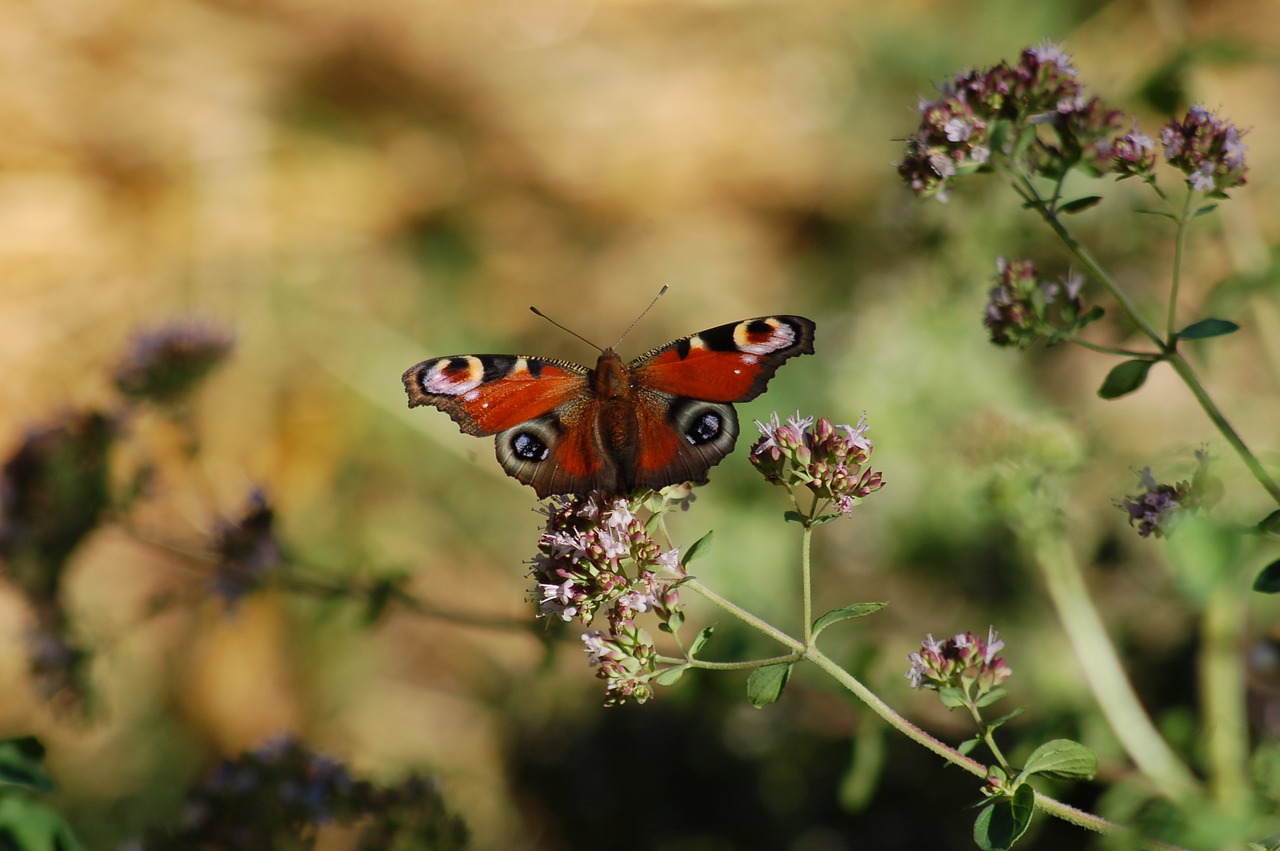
(616,420)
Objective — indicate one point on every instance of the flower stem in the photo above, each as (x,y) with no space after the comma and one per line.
(1102,668)
(901,724)
(806,550)
(1179,243)
(1222,692)
(1168,351)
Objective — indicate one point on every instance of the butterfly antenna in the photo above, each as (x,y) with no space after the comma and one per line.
(660,294)
(564,329)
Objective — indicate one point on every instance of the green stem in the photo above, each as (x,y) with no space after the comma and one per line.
(1109,350)
(1026,189)
(1222,690)
(806,573)
(1179,243)
(1180,366)
(902,725)
(1102,668)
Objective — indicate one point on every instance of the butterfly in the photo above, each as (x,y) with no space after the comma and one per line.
(664,418)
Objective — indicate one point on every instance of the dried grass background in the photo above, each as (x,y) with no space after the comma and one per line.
(353,187)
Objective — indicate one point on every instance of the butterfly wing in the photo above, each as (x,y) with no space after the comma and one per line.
(542,413)
(683,392)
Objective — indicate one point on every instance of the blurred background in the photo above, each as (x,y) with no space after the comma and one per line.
(349,188)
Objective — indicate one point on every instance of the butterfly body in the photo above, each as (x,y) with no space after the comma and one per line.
(663,418)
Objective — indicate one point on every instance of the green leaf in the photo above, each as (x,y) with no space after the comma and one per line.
(824,518)
(1206,328)
(1003,821)
(32,825)
(700,640)
(1061,758)
(1270,525)
(1125,378)
(952,697)
(674,621)
(1080,204)
(766,683)
(1003,719)
(1162,213)
(991,697)
(854,610)
(697,549)
(670,676)
(795,517)
(968,745)
(1268,581)
(20,764)
(1204,211)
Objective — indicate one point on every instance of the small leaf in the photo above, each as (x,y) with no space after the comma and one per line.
(766,683)
(1003,719)
(952,697)
(1092,315)
(1204,211)
(1061,758)
(1125,378)
(824,518)
(968,745)
(670,676)
(855,610)
(1080,204)
(1268,581)
(700,641)
(1162,213)
(991,697)
(675,620)
(1206,328)
(1003,821)
(795,517)
(697,548)
(20,764)
(1270,525)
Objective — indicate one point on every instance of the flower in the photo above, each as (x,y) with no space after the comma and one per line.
(1157,509)
(248,551)
(1022,306)
(596,554)
(829,460)
(1208,151)
(963,662)
(166,363)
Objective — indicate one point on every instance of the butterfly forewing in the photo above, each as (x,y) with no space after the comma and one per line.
(486,394)
(728,363)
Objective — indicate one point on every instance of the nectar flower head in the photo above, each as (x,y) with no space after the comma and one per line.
(595,553)
(963,662)
(830,460)
(1207,150)
(165,364)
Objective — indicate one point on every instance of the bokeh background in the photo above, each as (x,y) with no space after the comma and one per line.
(349,188)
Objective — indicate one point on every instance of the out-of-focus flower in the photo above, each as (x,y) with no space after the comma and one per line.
(1157,509)
(829,460)
(1207,150)
(1134,155)
(1022,306)
(53,491)
(168,362)
(963,662)
(248,551)
(280,794)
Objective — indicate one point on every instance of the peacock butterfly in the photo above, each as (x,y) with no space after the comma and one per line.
(665,417)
